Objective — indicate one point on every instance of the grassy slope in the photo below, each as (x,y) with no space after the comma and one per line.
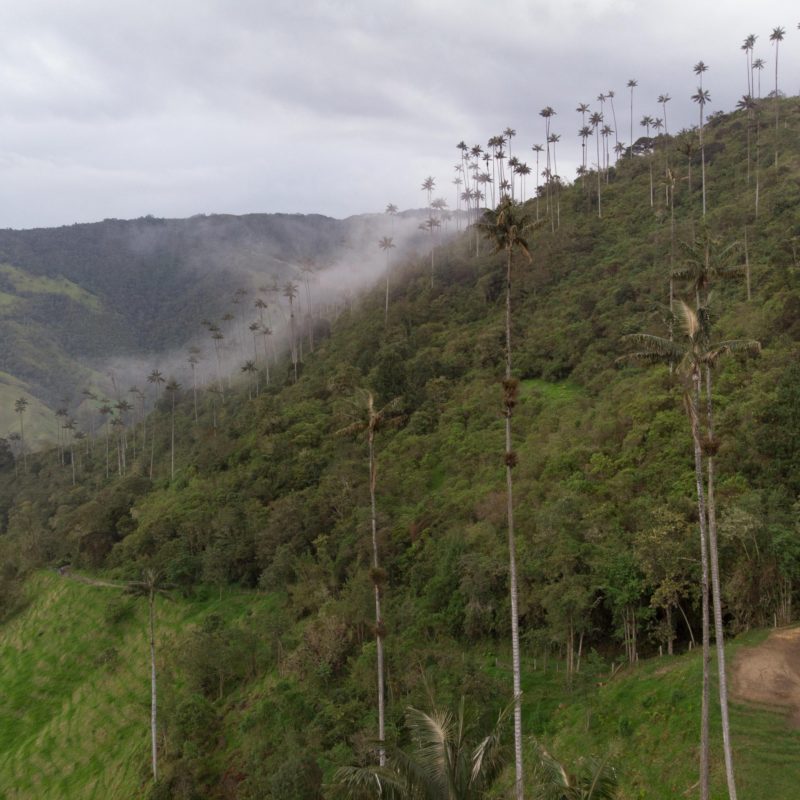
(75,708)
(75,717)
(651,715)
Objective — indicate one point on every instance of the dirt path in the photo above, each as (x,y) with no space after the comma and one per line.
(769,674)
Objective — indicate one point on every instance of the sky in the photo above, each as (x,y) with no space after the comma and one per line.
(123,109)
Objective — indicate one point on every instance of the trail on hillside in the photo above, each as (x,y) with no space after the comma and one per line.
(769,673)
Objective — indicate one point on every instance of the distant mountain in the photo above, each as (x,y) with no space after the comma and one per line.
(73,296)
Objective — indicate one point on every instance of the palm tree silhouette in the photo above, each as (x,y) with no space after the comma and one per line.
(20,405)
(193,360)
(504,228)
(701,97)
(759,65)
(386,243)
(595,121)
(290,292)
(370,421)
(610,97)
(151,585)
(748,45)
(537,148)
(632,84)
(173,387)
(156,379)
(776,37)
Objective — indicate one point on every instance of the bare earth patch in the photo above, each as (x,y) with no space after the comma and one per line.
(769,674)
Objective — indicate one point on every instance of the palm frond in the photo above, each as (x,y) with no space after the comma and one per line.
(731,347)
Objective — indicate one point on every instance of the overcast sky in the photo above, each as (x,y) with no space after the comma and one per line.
(180,107)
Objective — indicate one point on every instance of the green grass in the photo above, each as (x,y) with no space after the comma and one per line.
(25,283)
(76,691)
(648,719)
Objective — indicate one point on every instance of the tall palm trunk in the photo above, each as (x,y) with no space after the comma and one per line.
(510,398)
(377,588)
(153,694)
(693,404)
(172,441)
(719,634)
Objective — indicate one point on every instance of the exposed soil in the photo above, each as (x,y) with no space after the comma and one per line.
(769,674)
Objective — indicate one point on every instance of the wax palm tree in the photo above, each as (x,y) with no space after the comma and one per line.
(193,360)
(610,97)
(151,586)
(173,387)
(386,243)
(123,407)
(391,210)
(547,113)
(747,46)
(370,422)
(445,763)
(290,292)
(696,355)
(69,429)
(663,99)
(504,228)
(748,104)
(595,121)
(606,132)
(537,148)
(632,84)
(776,37)
(759,65)
(701,97)
(646,121)
(266,332)
(251,370)
(583,110)
(155,378)
(585,132)
(20,405)
(523,170)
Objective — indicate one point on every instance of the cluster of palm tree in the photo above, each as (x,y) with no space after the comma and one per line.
(694,355)
(479,183)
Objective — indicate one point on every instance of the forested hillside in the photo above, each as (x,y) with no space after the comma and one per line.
(73,299)
(260,486)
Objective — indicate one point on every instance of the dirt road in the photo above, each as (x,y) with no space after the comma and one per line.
(769,674)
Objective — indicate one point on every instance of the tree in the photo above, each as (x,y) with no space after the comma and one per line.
(290,292)
(610,97)
(646,122)
(19,408)
(663,99)
(583,110)
(747,46)
(537,148)
(694,355)
(193,360)
(150,586)
(632,84)
(776,37)
(156,379)
(386,243)
(595,121)
(445,763)
(372,420)
(173,387)
(701,97)
(504,228)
